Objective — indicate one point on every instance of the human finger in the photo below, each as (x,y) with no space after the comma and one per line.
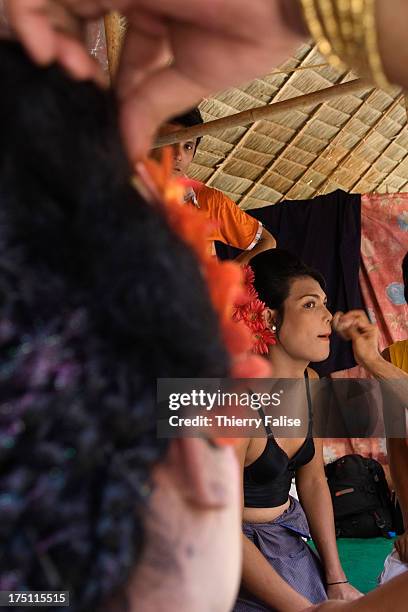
(145,49)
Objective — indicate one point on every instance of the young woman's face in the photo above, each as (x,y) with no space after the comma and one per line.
(305,331)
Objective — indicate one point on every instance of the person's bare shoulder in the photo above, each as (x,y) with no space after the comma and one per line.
(312,373)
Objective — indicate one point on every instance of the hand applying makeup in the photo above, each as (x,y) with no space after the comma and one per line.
(356,327)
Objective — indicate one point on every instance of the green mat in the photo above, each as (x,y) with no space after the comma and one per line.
(363,560)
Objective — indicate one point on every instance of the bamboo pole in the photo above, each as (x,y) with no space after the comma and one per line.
(276,97)
(263,112)
(300,68)
(114,32)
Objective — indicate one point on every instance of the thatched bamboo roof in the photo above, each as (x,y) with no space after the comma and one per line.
(356,142)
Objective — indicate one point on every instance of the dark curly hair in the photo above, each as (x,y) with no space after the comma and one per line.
(275,270)
(98,299)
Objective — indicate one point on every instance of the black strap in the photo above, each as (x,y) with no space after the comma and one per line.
(269,432)
(309,399)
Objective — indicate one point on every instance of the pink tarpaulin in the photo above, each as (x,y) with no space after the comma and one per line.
(384,242)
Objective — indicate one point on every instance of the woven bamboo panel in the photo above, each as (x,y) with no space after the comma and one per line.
(358,143)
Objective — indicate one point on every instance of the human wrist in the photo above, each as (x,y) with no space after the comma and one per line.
(335,574)
(373,363)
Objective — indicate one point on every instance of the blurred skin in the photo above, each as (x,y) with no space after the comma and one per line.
(178,52)
(192,557)
(175,52)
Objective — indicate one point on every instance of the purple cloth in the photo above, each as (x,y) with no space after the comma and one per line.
(282,545)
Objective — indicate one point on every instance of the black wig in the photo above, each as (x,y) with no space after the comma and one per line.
(98,298)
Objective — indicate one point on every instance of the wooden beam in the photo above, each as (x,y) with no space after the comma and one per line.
(263,112)
(300,68)
(114,31)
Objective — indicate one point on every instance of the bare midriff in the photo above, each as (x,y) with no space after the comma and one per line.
(263,515)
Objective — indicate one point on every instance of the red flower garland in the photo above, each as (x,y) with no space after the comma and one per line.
(252,314)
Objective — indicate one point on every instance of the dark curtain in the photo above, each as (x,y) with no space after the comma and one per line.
(326,234)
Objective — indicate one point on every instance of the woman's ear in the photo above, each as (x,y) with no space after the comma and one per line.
(270,317)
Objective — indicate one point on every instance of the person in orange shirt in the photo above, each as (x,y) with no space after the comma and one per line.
(231,225)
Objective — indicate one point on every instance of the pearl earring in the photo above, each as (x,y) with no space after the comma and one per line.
(274,328)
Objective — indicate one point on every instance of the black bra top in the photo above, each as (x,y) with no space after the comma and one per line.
(268,479)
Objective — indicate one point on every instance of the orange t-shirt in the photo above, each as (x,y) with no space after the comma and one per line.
(231,225)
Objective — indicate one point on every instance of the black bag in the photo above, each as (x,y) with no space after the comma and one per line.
(397,519)
(361,497)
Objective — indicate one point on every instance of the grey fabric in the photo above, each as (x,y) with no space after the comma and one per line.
(282,545)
